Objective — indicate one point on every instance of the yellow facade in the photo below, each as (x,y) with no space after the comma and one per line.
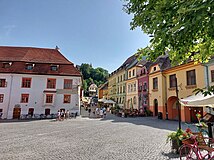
(112,87)
(157,98)
(121,87)
(132,89)
(164,98)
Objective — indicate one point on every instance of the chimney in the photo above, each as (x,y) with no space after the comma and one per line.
(57,48)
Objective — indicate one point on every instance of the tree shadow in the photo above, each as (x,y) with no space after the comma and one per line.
(147,121)
(171,155)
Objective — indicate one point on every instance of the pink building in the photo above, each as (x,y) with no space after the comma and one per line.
(143,84)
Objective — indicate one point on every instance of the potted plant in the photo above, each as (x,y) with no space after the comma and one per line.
(174,139)
(177,137)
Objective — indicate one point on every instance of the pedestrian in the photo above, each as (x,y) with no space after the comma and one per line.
(97,112)
(104,112)
(89,112)
(67,114)
(58,115)
(101,113)
(62,115)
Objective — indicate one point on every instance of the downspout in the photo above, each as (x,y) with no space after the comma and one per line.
(11,84)
(207,76)
(165,96)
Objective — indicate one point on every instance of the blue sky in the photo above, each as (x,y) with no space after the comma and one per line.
(86,31)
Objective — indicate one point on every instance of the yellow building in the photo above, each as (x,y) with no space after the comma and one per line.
(189,77)
(117,82)
(112,90)
(162,88)
(132,87)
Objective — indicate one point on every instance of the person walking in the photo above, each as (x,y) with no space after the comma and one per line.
(89,112)
(67,114)
(101,113)
(58,116)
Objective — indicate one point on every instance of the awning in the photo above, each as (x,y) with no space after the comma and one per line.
(109,102)
(198,100)
(102,100)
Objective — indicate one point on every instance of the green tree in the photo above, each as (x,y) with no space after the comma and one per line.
(91,75)
(182,28)
(179,27)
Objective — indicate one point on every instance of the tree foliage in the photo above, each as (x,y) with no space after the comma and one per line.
(92,75)
(179,27)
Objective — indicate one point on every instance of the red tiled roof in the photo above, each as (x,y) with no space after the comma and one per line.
(41,58)
(30,54)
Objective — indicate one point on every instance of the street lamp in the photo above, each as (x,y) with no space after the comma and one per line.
(177,104)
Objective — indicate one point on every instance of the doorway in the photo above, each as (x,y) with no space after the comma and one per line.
(47,111)
(16,113)
(31,111)
(194,111)
(156,107)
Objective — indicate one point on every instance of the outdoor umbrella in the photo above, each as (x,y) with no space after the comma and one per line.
(198,100)
(109,102)
(102,100)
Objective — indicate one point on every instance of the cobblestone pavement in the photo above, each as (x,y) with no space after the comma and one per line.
(112,138)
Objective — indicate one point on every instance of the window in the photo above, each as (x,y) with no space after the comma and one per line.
(2,82)
(172,81)
(67,83)
(24,98)
(49,98)
(134,87)
(155,83)
(6,64)
(144,86)
(212,75)
(145,102)
(124,77)
(191,78)
(51,83)
(154,68)
(1,98)
(130,73)
(134,100)
(54,67)
(121,78)
(133,72)
(29,66)
(118,79)
(26,82)
(67,98)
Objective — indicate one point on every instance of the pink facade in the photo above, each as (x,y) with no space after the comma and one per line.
(143,84)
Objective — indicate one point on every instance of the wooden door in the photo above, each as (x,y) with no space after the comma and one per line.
(194,111)
(16,113)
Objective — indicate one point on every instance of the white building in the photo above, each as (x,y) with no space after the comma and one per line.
(37,81)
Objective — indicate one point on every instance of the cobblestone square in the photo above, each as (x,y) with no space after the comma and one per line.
(112,138)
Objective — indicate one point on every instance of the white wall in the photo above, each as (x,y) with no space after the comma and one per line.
(12,94)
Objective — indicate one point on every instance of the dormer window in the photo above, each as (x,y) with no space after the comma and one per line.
(154,68)
(29,66)
(6,64)
(54,67)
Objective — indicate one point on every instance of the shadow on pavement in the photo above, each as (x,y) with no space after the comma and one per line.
(171,155)
(146,121)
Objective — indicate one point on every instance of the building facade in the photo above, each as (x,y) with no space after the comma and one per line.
(35,81)
(143,84)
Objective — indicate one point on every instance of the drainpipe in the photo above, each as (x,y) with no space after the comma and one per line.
(165,97)
(11,84)
(207,76)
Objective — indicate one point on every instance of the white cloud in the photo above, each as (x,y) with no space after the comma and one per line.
(8,29)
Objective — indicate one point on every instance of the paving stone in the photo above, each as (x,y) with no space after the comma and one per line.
(112,138)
